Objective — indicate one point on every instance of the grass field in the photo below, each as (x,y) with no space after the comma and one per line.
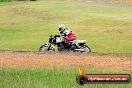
(58,70)
(26,25)
(50,78)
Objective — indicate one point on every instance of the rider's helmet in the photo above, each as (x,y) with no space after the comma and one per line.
(61,27)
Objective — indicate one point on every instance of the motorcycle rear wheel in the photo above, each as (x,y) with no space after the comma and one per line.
(87,49)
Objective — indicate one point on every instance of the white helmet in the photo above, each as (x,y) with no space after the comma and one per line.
(62,27)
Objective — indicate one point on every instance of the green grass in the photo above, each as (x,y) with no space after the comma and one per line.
(50,78)
(26,25)
(6,0)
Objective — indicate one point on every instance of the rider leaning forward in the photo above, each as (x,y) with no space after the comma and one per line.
(67,34)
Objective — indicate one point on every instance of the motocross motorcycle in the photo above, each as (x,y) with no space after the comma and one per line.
(55,45)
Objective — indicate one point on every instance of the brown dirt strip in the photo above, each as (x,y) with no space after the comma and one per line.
(32,59)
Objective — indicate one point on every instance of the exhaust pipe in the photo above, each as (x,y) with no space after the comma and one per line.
(82,50)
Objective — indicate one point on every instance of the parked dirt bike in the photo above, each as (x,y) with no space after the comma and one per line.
(75,45)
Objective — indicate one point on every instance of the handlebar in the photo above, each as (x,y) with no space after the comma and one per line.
(57,35)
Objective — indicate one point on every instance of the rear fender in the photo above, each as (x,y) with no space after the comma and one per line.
(82,44)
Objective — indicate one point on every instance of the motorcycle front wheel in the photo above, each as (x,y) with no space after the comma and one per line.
(46,47)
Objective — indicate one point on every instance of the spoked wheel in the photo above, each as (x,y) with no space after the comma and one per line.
(46,48)
(43,48)
(86,49)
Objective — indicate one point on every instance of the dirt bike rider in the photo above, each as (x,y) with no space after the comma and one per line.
(67,34)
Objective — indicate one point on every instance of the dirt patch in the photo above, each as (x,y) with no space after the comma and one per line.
(34,15)
(25,22)
(118,31)
(65,59)
(30,13)
(2,10)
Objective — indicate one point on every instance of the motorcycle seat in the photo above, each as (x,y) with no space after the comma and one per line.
(81,41)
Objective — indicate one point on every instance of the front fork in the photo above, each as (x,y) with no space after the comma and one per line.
(51,47)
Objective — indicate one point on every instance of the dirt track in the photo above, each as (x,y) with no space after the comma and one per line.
(30,59)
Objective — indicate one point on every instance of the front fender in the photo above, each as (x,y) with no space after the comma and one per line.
(53,46)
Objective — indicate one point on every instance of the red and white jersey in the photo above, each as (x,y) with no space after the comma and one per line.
(66,31)
(68,34)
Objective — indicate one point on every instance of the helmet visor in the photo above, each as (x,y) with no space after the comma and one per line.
(60,29)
